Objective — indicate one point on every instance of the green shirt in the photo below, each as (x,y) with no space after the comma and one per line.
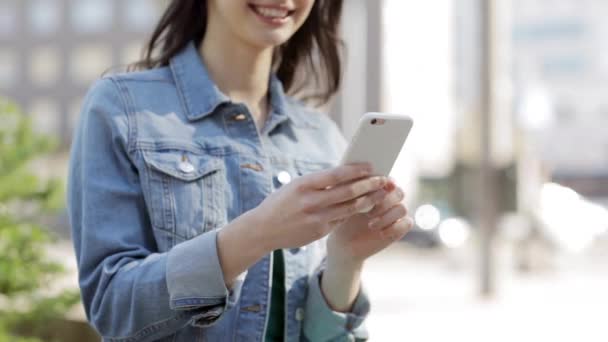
(276,320)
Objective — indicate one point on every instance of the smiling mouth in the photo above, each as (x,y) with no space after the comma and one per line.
(275,14)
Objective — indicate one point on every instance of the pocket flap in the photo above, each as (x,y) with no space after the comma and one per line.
(183,165)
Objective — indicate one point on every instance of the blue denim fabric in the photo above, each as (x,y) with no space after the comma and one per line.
(160,162)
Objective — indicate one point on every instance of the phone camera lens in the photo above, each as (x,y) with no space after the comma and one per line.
(374,121)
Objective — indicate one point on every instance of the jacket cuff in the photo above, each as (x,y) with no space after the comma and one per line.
(324,324)
(195,279)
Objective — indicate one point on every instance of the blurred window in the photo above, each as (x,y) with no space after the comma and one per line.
(92,16)
(44,16)
(8,18)
(141,15)
(88,62)
(8,68)
(44,67)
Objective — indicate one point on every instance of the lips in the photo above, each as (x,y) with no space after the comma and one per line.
(272,14)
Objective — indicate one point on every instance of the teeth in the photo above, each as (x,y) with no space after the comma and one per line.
(271,12)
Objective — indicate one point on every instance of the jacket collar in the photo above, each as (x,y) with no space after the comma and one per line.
(200,94)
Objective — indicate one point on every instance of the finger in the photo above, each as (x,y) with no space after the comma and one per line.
(341,174)
(397,230)
(394,214)
(350,191)
(394,197)
(391,185)
(344,210)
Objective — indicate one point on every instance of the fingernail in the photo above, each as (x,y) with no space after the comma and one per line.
(389,186)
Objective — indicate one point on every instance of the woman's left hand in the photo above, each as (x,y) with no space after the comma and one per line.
(363,235)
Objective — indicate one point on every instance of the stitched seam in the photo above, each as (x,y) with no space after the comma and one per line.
(128,106)
(220,297)
(171,207)
(134,80)
(141,332)
(180,87)
(185,146)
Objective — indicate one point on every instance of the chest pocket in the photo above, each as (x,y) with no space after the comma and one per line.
(185,191)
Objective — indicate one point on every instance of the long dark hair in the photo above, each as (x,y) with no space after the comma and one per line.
(311,55)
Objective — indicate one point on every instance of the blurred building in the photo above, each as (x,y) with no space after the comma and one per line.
(551,70)
(51,51)
(561,74)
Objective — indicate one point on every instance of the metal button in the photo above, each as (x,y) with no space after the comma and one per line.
(299,314)
(239,117)
(185,166)
(284,177)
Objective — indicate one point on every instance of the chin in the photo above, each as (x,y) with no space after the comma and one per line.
(269,40)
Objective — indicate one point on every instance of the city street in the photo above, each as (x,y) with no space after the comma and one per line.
(420,296)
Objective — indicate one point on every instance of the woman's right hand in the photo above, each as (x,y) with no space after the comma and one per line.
(311,206)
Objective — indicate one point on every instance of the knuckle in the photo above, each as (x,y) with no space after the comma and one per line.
(381,208)
(403,227)
(396,233)
(401,210)
(409,224)
(358,189)
(378,182)
(398,236)
(335,177)
(375,211)
(300,185)
(360,203)
(350,191)
(376,198)
(400,195)
(387,234)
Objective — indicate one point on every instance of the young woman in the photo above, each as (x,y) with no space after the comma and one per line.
(200,194)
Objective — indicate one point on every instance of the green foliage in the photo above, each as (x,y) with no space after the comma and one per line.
(25,271)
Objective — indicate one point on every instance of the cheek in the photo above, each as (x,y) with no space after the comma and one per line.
(235,11)
(305,9)
(305,3)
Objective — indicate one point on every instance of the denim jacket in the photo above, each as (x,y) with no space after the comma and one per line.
(161,160)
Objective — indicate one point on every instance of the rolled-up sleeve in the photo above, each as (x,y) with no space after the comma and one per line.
(321,323)
(184,278)
(130,290)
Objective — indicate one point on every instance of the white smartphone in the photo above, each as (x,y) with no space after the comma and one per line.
(378,140)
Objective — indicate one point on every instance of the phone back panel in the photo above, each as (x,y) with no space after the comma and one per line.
(380,143)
